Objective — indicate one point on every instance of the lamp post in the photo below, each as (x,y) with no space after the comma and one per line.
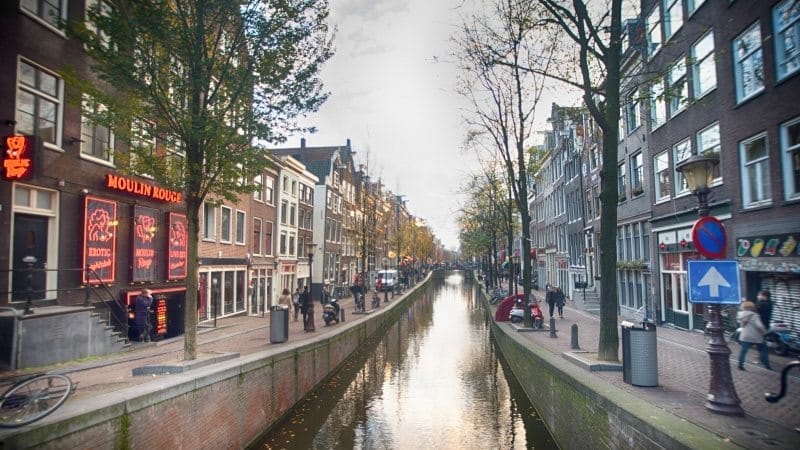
(310,249)
(698,170)
(214,296)
(514,260)
(384,260)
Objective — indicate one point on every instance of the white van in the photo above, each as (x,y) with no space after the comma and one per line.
(388,279)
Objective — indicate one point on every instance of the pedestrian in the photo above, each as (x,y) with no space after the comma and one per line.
(141,305)
(285,300)
(325,296)
(307,308)
(752,334)
(560,300)
(550,298)
(764,306)
(296,302)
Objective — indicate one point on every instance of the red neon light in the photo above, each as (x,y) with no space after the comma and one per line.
(161,316)
(99,240)
(18,158)
(177,246)
(143,258)
(142,189)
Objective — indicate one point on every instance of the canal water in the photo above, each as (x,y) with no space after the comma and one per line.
(433,380)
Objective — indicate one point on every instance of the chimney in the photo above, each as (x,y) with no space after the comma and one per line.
(302,142)
(348,143)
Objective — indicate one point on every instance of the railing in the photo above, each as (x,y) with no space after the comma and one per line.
(95,294)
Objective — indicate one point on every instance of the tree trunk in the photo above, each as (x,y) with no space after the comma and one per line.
(192,266)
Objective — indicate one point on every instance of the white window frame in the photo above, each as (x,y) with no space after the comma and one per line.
(703,63)
(658,107)
(89,132)
(269,193)
(241,227)
(673,17)
(39,96)
(678,88)
(680,151)
(26,7)
(787,38)
(225,224)
(632,112)
(708,142)
(653,28)
(637,173)
(748,62)
(258,192)
(209,222)
(790,156)
(761,166)
(693,5)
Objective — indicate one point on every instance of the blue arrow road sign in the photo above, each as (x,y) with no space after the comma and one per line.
(714,281)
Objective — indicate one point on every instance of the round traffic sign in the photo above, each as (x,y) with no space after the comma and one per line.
(709,237)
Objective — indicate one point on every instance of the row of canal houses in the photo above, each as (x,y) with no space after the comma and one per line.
(317,217)
(699,77)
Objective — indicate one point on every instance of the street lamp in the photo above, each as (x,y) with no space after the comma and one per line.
(310,249)
(698,170)
(514,260)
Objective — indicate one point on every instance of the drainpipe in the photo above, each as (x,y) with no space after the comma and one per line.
(14,360)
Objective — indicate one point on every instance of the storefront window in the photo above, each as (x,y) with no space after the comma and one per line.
(228,293)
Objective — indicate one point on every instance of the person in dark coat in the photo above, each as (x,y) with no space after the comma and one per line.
(141,305)
(764,306)
(550,298)
(307,308)
(559,300)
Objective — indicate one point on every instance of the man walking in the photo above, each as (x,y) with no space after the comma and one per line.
(141,305)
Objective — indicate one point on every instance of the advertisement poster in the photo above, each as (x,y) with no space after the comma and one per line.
(145,230)
(99,240)
(176,260)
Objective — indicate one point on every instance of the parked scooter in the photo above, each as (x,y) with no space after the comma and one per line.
(330,312)
(517,314)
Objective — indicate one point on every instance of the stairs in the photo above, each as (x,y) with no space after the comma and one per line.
(113,340)
(591,302)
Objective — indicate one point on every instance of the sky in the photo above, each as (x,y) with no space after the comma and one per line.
(392,95)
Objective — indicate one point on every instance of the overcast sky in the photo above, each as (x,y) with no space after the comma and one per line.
(396,103)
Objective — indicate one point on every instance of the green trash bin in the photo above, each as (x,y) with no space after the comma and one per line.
(278,325)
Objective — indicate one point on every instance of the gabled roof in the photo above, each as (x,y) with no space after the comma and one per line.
(318,160)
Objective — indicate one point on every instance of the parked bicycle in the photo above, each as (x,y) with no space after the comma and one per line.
(32,398)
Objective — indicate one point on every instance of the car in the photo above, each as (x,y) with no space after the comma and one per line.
(388,279)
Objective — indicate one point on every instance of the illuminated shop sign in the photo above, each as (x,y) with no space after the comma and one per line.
(18,158)
(142,189)
(160,308)
(145,229)
(99,240)
(783,245)
(176,249)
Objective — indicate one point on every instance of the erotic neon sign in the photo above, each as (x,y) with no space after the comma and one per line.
(18,158)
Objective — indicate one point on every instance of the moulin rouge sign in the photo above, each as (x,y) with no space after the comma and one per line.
(142,189)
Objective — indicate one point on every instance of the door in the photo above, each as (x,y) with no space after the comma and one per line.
(30,252)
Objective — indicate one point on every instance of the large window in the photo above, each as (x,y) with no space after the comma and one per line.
(692,5)
(225,224)
(269,190)
(632,112)
(704,66)
(97,141)
(240,226)
(748,63)
(637,165)
(786,20)
(256,248)
(681,151)
(209,221)
(39,97)
(790,149)
(258,189)
(678,88)
(708,144)
(673,17)
(662,178)
(657,104)
(49,11)
(621,185)
(755,171)
(268,238)
(653,31)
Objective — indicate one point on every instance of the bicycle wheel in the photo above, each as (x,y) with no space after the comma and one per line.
(32,399)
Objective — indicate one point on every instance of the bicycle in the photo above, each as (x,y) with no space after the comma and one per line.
(32,398)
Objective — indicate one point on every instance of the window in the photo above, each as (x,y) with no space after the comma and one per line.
(790,151)
(748,63)
(284,211)
(673,17)
(662,178)
(257,236)
(704,66)
(708,144)
(755,171)
(678,88)
(269,190)
(292,214)
(97,141)
(693,5)
(49,11)
(786,19)
(653,31)
(637,166)
(681,151)
(104,9)
(39,97)
(657,105)
(632,112)
(268,238)
(225,224)
(209,222)
(283,243)
(285,187)
(621,187)
(240,225)
(258,192)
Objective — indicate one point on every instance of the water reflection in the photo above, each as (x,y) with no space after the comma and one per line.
(432,380)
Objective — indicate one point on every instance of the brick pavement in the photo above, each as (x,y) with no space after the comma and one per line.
(683,382)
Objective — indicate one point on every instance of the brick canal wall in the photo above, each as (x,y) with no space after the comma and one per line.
(225,405)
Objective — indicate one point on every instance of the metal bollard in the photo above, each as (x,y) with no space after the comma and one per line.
(341,315)
(553,328)
(574,341)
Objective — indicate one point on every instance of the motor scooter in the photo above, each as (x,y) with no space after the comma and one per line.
(780,339)
(517,314)
(330,312)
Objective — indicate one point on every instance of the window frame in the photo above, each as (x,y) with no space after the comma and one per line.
(39,15)
(681,187)
(671,6)
(225,224)
(781,71)
(738,60)
(240,227)
(86,123)
(703,149)
(747,201)
(790,158)
(257,236)
(654,27)
(677,85)
(699,62)
(658,172)
(39,95)
(209,226)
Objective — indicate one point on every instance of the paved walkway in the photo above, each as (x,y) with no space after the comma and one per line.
(683,371)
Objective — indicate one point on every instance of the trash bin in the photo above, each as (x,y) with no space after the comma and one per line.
(639,354)
(278,324)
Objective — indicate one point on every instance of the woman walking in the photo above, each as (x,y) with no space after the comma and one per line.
(752,334)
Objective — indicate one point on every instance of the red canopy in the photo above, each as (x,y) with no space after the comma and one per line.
(504,309)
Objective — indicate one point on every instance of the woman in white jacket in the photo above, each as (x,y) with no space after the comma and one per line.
(752,333)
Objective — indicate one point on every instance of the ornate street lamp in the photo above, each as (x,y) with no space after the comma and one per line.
(698,170)
(311,248)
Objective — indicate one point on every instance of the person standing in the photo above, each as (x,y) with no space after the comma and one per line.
(141,305)
(307,308)
(752,334)
(560,300)
(296,302)
(764,307)
(549,297)
(285,300)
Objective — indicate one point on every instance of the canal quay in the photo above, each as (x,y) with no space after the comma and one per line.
(241,386)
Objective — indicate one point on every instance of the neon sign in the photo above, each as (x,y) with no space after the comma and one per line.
(18,159)
(160,308)
(176,249)
(143,258)
(142,189)
(99,240)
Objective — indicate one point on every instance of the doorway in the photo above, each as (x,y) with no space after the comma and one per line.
(30,252)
